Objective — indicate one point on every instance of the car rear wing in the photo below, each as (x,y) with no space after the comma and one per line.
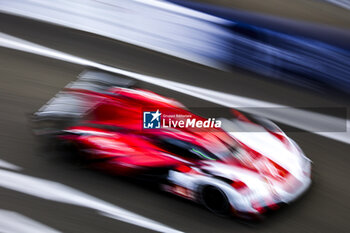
(74,101)
(70,104)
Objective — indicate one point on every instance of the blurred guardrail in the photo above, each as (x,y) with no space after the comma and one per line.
(310,56)
(306,54)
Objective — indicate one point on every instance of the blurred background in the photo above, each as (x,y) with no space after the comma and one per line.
(248,54)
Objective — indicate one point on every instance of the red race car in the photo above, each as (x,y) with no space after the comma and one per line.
(244,166)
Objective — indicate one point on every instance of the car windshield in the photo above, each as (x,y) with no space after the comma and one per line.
(227,154)
(186,149)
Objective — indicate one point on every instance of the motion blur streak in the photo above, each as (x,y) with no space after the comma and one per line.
(8,165)
(202,38)
(154,25)
(12,222)
(58,192)
(301,119)
(342,3)
(181,10)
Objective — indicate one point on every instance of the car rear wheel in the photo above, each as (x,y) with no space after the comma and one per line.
(215,200)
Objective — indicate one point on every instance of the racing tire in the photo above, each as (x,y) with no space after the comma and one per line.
(215,200)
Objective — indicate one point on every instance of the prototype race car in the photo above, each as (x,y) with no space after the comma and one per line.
(244,166)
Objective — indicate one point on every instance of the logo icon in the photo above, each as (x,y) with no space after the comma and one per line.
(151,120)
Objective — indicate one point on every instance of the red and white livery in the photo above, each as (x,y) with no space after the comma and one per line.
(246,167)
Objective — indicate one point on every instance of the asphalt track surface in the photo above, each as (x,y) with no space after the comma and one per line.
(27,81)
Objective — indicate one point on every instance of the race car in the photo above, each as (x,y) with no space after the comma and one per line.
(244,166)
